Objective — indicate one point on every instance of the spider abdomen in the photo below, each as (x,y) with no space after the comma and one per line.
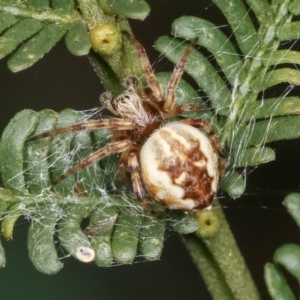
(179,167)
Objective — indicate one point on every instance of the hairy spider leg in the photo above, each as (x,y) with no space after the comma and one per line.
(178,109)
(115,124)
(137,183)
(146,65)
(111,148)
(170,94)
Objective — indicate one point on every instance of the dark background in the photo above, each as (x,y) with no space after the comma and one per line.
(260,223)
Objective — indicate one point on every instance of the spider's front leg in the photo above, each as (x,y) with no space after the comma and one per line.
(170,94)
(111,148)
(114,124)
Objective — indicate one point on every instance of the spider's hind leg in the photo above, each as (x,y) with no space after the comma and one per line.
(137,184)
(147,68)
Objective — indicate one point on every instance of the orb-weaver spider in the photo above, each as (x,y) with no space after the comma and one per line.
(174,163)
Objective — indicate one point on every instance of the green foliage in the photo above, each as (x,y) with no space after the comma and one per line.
(136,9)
(286,257)
(30,29)
(243,67)
(118,229)
(237,76)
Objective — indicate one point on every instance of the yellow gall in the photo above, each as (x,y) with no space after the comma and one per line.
(208,222)
(105,38)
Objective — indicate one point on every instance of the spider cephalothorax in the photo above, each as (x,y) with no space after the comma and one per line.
(174,163)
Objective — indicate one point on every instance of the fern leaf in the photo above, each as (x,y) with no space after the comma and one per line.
(267,131)
(117,230)
(36,47)
(43,254)
(6,20)
(199,68)
(285,257)
(136,9)
(240,22)
(207,35)
(242,73)
(277,284)
(77,39)
(12,165)
(15,35)
(30,29)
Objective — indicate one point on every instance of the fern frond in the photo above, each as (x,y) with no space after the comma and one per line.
(117,229)
(30,29)
(36,29)
(240,74)
(286,257)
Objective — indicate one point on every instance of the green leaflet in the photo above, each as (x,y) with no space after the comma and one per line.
(60,151)
(40,243)
(234,185)
(18,33)
(12,215)
(151,238)
(14,137)
(125,237)
(200,69)
(254,156)
(277,285)
(292,204)
(72,237)
(284,75)
(207,35)
(272,107)
(286,256)
(134,9)
(289,31)
(77,39)
(36,155)
(34,27)
(281,57)
(184,224)
(240,22)
(269,130)
(295,8)
(6,20)
(92,178)
(36,47)
(262,10)
(102,222)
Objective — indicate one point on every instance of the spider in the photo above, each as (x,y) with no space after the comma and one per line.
(174,163)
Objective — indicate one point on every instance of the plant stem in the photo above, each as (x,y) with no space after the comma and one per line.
(111,69)
(221,264)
